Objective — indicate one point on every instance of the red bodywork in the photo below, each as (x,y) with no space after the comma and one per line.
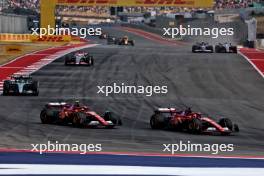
(71,113)
(183,119)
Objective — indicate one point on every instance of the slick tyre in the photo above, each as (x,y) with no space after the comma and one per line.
(211,48)
(35,88)
(79,119)
(157,121)
(195,126)
(5,88)
(91,61)
(217,49)
(226,122)
(45,119)
(109,116)
(194,49)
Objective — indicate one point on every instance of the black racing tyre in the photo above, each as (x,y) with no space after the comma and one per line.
(195,126)
(211,48)
(223,50)
(109,116)
(66,60)
(234,49)
(79,119)
(236,128)
(91,61)
(217,49)
(45,119)
(194,49)
(157,121)
(5,88)
(132,43)
(226,122)
(36,93)
(35,86)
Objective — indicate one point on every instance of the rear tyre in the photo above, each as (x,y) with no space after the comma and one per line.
(226,123)
(91,61)
(66,61)
(195,126)
(5,88)
(157,121)
(35,88)
(79,119)
(45,119)
(217,49)
(234,49)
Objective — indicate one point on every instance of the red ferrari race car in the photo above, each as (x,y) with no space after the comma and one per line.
(77,115)
(79,58)
(192,122)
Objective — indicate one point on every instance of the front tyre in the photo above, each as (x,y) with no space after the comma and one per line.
(79,119)
(194,49)
(109,116)
(195,126)
(226,123)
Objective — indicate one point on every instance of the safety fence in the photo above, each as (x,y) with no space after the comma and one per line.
(10,23)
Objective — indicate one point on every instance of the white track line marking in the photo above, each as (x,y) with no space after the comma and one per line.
(258,70)
(38,169)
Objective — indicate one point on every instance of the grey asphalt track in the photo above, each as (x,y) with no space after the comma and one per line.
(217,84)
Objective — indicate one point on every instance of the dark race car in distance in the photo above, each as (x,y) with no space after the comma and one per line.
(103,36)
(77,115)
(192,122)
(202,47)
(225,48)
(79,58)
(21,85)
(111,40)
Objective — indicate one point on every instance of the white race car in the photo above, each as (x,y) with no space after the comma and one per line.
(79,58)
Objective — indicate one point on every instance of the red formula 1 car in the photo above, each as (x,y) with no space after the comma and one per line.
(188,121)
(76,115)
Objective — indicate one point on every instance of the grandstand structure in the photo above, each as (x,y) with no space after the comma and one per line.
(25,7)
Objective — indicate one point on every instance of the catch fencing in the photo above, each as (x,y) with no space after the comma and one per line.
(15,24)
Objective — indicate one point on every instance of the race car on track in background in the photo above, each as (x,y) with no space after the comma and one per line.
(192,122)
(21,85)
(112,40)
(77,115)
(103,36)
(79,58)
(125,41)
(225,48)
(202,48)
